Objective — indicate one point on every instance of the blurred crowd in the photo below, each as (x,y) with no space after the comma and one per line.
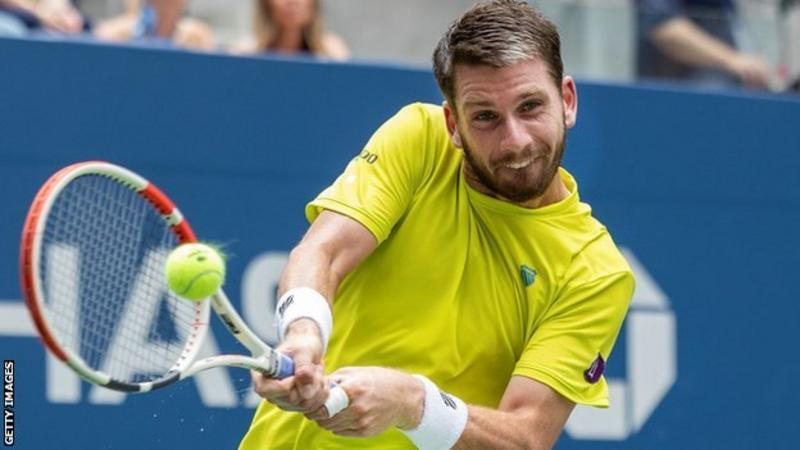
(292,27)
(700,41)
(695,41)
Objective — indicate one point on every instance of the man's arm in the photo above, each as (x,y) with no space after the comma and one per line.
(333,246)
(685,42)
(530,415)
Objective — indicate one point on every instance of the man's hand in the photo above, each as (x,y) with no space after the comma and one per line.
(307,390)
(751,70)
(379,398)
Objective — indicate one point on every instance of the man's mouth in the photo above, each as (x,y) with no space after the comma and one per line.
(518,164)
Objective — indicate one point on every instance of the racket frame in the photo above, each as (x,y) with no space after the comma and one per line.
(264,358)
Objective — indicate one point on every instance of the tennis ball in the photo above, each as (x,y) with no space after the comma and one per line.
(194,271)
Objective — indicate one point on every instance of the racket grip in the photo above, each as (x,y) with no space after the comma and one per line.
(285,367)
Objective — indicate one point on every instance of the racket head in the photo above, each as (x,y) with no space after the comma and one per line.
(91,264)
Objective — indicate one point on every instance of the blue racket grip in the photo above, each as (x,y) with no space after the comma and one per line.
(285,367)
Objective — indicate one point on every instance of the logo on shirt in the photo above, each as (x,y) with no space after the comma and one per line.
(595,371)
(528,275)
(368,157)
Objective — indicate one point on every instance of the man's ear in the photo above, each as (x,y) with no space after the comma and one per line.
(450,119)
(569,95)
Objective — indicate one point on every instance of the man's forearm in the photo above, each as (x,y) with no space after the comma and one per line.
(493,429)
(309,267)
(306,292)
(331,249)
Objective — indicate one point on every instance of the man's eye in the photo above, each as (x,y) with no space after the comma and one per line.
(485,116)
(529,106)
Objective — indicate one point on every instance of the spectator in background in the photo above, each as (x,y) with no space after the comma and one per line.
(18,17)
(694,40)
(790,51)
(292,27)
(157,19)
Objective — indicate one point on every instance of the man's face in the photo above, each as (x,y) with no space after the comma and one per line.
(511,123)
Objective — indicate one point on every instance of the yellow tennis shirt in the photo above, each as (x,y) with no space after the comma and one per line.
(465,289)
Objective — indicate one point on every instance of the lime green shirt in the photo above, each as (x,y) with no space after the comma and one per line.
(463,288)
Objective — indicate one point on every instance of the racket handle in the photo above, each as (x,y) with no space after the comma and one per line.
(285,367)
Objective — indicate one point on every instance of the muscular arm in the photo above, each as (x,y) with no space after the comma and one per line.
(530,416)
(333,246)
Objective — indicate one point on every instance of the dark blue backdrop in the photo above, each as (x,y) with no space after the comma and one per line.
(702,190)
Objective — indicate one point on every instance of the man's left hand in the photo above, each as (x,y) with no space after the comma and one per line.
(379,398)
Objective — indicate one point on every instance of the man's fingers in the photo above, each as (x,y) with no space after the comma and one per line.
(352,427)
(320,413)
(342,420)
(309,379)
(271,388)
(305,376)
(348,433)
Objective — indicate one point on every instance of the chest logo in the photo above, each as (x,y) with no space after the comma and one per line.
(528,275)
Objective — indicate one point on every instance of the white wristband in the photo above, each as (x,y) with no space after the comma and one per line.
(444,418)
(306,303)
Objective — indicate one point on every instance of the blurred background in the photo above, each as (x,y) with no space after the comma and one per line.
(599,36)
(706,42)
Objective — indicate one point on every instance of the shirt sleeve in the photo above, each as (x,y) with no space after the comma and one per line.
(572,342)
(378,185)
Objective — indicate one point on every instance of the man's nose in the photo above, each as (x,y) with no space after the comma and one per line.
(515,137)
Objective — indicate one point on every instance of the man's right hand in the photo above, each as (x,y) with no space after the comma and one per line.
(307,390)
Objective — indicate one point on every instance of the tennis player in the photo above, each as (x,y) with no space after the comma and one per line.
(451,280)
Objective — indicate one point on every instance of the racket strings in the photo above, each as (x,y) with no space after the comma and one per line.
(104,249)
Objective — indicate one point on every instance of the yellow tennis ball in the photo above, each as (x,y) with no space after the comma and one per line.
(194,271)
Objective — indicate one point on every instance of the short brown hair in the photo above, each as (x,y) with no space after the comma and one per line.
(497,33)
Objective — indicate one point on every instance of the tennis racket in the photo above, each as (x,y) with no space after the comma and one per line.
(92,260)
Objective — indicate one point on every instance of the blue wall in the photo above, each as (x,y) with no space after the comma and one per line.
(702,190)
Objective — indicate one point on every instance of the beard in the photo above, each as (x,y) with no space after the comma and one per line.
(521,186)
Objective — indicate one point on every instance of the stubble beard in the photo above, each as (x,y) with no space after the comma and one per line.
(517,190)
